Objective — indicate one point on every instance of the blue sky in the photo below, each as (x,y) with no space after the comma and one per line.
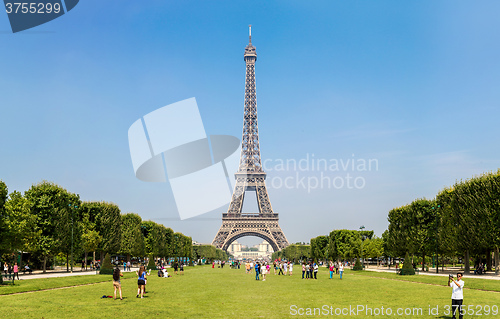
(413,85)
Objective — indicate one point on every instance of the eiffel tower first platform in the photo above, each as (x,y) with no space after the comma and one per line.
(250,177)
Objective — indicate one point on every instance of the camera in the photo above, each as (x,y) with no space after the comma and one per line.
(451,276)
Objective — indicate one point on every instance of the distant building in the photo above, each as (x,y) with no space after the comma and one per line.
(263,250)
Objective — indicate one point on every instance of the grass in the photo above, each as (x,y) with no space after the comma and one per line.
(204,292)
(470,283)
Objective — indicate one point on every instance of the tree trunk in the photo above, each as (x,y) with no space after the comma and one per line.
(44,264)
(423,262)
(497,267)
(488,260)
(128,257)
(467,263)
(67,262)
(93,257)
(86,254)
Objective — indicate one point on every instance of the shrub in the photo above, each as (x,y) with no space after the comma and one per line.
(106,267)
(357,265)
(407,267)
(151,263)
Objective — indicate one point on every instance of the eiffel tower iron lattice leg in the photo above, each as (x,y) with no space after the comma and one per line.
(250,177)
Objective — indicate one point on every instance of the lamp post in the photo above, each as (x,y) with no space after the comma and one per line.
(72,223)
(362,258)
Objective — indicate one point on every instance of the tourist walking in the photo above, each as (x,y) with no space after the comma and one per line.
(332,269)
(280,269)
(285,268)
(290,268)
(5,267)
(341,269)
(315,270)
(16,272)
(275,265)
(257,271)
(141,281)
(264,272)
(117,282)
(128,265)
(303,269)
(182,268)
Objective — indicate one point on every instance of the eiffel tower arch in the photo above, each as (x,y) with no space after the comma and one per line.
(250,177)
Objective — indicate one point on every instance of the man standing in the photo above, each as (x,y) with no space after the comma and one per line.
(457,296)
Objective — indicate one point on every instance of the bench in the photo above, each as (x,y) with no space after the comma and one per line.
(29,270)
(8,277)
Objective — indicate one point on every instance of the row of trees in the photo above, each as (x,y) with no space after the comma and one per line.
(340,244)
(462,220)
(48,220)
(209,253)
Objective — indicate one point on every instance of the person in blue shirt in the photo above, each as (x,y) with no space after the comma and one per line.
(257,271)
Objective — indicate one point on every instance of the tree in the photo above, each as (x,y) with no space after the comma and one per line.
(345,244)
(132,237)
(318,248)
(108,224)
(47,202)
(373,248)
(21,223)
(4,233)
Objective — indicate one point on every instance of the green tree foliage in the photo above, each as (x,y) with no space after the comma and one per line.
(109,225)
(49,203)
(373,248)
(294,252)
(4,235)
(21,223)
(319,248)
(132,238)
(207,252)
(344,244)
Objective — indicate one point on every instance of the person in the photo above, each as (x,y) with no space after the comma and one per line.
(27,269)
(16,271)
(182,268)
(213,264)
(275,267)
(264,272)
(5,267)
(141,281)
(83,264)
(285,268)
(116,282)
(176,266)
(457,295)
(332,269)
(257,266)
(315,270)
(303,269)
(281,269)
(124,266)
(290,268)
(341,269)
(307,270)
(128,265)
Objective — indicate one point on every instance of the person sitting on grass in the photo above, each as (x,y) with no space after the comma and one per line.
(116,282)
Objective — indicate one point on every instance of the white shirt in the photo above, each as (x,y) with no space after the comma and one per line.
(341,267)
(458,292)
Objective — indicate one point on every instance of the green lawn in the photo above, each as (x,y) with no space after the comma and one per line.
(204,292)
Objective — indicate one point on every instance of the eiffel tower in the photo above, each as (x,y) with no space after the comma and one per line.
(250,177)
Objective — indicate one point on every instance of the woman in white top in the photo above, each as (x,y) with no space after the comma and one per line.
(263,269)
(291,268)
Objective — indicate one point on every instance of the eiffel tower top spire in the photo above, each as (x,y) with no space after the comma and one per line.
(250,161)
